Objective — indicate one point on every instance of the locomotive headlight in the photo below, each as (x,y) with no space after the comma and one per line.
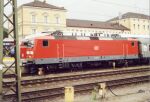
(30,52)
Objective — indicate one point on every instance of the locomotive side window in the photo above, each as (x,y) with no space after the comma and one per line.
(132,43)
(45,43)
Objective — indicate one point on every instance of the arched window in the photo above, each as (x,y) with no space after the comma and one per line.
(33,17)
(138,26)
(134,26)
(45,19)
(144,27)
(57,18)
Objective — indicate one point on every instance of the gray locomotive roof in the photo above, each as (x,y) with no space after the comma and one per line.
(87,38)
(144,40)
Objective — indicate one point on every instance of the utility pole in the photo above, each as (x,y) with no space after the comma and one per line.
(5,67)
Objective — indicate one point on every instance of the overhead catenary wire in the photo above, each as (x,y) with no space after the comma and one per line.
(93,14)
(118,4)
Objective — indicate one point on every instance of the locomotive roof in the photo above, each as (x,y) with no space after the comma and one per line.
(81,38)
(144,40)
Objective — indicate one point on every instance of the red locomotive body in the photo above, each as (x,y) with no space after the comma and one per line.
(67,49)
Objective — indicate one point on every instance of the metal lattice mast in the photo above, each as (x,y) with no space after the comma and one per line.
(13,33)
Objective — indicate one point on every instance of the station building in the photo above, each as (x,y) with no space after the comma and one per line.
(39,16)
(137,23)
(82,27)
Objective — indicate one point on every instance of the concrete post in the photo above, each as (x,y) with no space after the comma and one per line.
(69,94)
(102,90)
(114,65)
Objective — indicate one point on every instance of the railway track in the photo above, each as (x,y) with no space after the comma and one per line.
(26,74)
(33,96)
(76,77)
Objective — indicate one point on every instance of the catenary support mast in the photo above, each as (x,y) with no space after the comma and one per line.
(13,33)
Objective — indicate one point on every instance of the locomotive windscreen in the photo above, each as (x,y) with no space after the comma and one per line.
(29,43)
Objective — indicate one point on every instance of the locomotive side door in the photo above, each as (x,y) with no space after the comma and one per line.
(60,51)
(125,50)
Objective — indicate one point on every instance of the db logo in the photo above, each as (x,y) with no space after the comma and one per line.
(96,48)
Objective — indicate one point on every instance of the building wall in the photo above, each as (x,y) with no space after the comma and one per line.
(83,31)
(32,20)
(136,25)
(27,24)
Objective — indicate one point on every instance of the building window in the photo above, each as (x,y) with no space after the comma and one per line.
(148,27)
(138,26)
(144,27)
(33,18)
(33,31)
(134,26)
(45,19)
(57,20)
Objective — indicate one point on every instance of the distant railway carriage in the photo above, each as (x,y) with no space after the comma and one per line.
(8,47)
(49,50)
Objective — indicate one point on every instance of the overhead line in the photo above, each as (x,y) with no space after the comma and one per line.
(113,3)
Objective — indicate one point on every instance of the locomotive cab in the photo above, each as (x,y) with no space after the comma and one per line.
(27,49)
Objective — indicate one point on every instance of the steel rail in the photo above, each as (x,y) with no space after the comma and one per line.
(59,92)
(76,77)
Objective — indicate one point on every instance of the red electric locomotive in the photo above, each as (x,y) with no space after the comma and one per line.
(53,50)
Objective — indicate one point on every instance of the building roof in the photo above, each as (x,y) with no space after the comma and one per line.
(94,24)
(37,3)
(131,15)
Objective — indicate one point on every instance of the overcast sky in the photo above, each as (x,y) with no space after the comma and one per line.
(99,10)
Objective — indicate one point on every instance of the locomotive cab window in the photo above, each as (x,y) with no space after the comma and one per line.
(45,43)
(132,44)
